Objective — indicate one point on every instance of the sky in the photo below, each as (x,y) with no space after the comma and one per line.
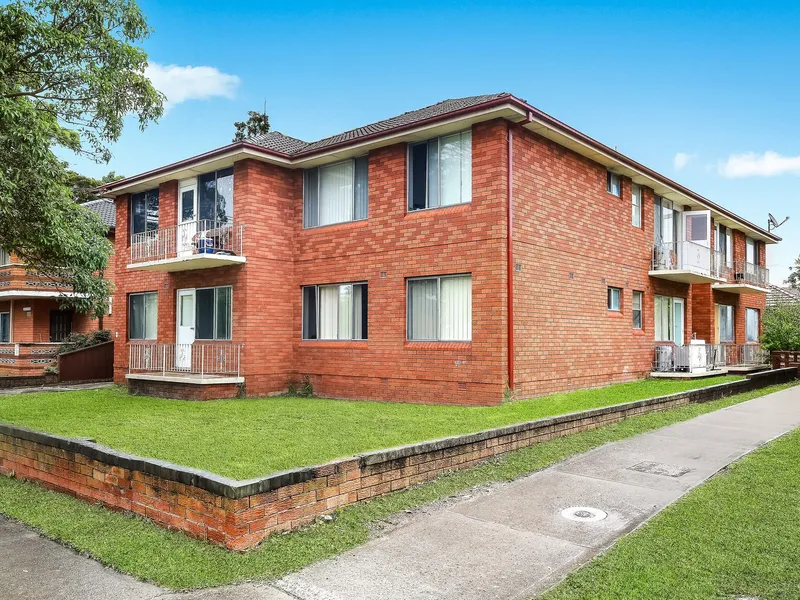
(706,93)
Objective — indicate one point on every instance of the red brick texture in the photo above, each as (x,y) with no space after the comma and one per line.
(291,500)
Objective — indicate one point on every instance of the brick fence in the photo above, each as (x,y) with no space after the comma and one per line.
(782,359)
(239,514)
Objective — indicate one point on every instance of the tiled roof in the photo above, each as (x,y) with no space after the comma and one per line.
(280,143)
(782,295)
(105,208)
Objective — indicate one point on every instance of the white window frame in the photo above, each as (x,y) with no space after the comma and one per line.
(719,309)
(748,312)
(750,242)
(640,295)
(409,183)
(214,322)
(354,315)
(636,205)
(610,299)
(130,297)
(438,279)
(667,303)
(610,178)
(353,199)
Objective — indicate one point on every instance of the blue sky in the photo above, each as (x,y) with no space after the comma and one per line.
(716,82)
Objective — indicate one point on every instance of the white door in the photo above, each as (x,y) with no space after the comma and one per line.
(187,216)
(696,252)
(677,321)
(185,333)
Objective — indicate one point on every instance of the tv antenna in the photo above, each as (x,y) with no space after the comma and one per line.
(772,222)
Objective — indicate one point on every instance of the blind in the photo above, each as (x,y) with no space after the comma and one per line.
(423,309)
(456,308)
(336,193)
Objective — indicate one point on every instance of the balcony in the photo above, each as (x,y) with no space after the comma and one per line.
(190,245)
(186,363)
(688,262)
(701,360)
(745,278)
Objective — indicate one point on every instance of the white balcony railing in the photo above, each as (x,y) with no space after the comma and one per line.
(204,237)
(699,357)
(751,274)
(689,256)
(198,359)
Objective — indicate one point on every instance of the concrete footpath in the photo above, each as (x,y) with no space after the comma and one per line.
(510,541)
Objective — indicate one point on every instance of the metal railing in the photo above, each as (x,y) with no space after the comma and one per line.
(187,239)
(695,357)
(689,256)
(749,273)
(193,359)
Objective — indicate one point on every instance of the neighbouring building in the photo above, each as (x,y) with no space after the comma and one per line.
(780,296)
(32,320)
(444,255)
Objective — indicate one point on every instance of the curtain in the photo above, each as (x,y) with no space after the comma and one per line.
(345,324)
(358,312)
(423,309)
(328,312)
(725,323)
(455,168)
(150,316)
(310,198)
(336,193)
(751,317)
(455,308)
(664,308)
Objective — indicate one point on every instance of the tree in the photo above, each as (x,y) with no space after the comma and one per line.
(256,124)
(794,275)
(84,187)
(781,327)
(69,74)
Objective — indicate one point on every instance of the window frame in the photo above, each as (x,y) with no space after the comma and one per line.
(197,200)
(610,294)
(667,303)
(640,295)
(132,212)
(7,314)
(636,206)
(5,258)
(610,175)
(410,172)
(757,312)
(318,169)
(214,320)
(318,328)
(142,339)
(438,279)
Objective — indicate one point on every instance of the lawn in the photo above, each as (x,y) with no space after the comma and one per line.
(254,437)
(136,546)
(738,536)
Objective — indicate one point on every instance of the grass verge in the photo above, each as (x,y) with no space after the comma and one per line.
(737,536)
(133,545)
(254,437)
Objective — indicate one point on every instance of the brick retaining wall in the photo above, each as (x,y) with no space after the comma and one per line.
(15,381)
(239,514)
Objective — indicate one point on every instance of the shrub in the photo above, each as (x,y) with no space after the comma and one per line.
(76,341)
(781,327)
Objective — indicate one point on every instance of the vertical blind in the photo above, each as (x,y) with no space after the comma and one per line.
(335,312)
(440,308)
(336,193)
(143,316)
(440,171)
(636,205)
(725,323)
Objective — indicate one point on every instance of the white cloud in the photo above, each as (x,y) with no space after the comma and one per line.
(180,84)
(751,164)
(681,160)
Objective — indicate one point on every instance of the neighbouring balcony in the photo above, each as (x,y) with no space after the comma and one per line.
(688,262)
(745,278)
(190,245)
(186,363)
(699,359)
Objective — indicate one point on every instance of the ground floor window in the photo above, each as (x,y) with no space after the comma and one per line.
(213,313)
(725,327)
(60,325)
(636,311)
(440,308)
(5,327)
(752,316)
(143,316)
(669,315)
(335,312)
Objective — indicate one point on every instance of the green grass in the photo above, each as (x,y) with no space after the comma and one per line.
(251,438)
(138,547)
(736,536)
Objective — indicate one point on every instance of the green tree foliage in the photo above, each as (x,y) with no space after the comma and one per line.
(84,187)
(781,327)
(794,276)
(256,124)
(69,74)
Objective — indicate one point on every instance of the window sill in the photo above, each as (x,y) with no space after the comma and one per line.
(465,206)
(335,226)
(616,314)
(335,343)
(434,345)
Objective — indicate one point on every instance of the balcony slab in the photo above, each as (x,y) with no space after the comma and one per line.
(187,378)
(685,276)
(739,288)
(188,263)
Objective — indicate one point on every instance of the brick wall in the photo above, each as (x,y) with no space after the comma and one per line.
(238,515)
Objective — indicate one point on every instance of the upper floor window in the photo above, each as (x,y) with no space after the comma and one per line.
(724,243)
(335,312)
(666,221)
(143,316)
(440,308)
(614,298)
(636,205)
(613,183)
(440,171)
(214,197)
(5,258)
(144,211)
(751,251)
(336,193)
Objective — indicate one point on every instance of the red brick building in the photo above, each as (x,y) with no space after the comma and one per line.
(444,255)
(32,320)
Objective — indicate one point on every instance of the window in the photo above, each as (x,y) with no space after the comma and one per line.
(751,251)
(440,172)
(215,196)
(143,316)
(636,205)
(724,244)
(335,312)
(612,183)
(666,221)
(5,258)
(752,316)
(144,211)
(60,325)
(664,315)
(636,311)
(725,332)
(213,313)
(614,298)
(5,327)
(336,193)
(440,308)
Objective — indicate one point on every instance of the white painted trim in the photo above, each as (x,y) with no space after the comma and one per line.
(187,379)
(39,294)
